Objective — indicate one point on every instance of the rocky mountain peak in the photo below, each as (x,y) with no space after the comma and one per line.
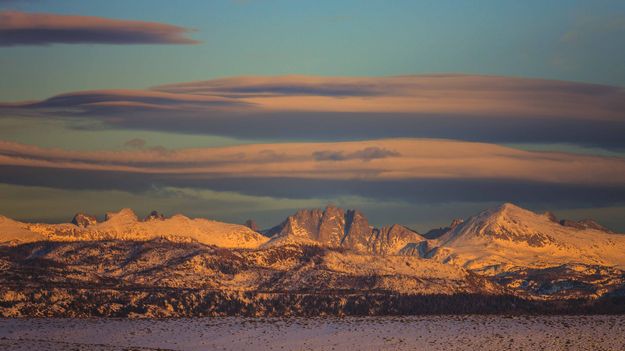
(336,227)
(154,215)
(357,230)
(84,220)
(456,222)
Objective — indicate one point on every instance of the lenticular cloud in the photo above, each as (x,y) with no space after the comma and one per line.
(19,28)
(469,108)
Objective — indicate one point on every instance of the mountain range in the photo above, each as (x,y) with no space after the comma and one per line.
(327,261)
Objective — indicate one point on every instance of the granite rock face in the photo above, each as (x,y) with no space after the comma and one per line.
(350,229)
(84,220)
(154,215)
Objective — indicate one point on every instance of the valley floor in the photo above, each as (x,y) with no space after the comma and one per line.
(368,333)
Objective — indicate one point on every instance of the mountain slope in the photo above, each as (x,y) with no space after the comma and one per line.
(163,278)
(163,263)
(317,261)
(14,232)
(509,236)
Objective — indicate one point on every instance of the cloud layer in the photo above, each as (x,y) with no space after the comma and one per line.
(392,173)
(473,108)
(20,28)
(375,160)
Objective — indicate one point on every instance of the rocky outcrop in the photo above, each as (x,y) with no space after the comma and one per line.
(438,232)
(84,220)
(584,224)
(250,223)
(335,227)
(391,239)
(154,216)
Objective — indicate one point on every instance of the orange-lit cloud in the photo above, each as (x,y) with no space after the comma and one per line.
(20,28)
(428,94)
(392,159)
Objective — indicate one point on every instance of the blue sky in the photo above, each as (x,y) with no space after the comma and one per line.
(564,139)
(568,40)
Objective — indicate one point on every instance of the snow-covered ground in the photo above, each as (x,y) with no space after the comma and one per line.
(372,333)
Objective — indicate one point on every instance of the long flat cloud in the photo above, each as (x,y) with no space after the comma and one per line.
(472,108)
(406,170)
(392,159)
(20,28)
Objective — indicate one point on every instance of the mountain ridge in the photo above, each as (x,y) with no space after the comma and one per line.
(324,260)
(125,225)
(336,227)
(513,236)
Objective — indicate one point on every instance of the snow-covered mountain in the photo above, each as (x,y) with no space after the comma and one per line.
(159,278)
(324,260)
(124,225)
(508,236)
(335,227)
(14,232)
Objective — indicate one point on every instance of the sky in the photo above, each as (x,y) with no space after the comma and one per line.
(414,112)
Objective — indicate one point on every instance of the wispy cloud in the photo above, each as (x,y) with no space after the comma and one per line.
(21,28)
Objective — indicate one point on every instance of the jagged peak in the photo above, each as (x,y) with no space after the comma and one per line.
(334,211)
(307,212)
(154,215)
(84,220)
(326,211)
(456,222)
(355,213)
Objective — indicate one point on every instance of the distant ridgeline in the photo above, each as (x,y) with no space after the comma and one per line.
(317,262)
